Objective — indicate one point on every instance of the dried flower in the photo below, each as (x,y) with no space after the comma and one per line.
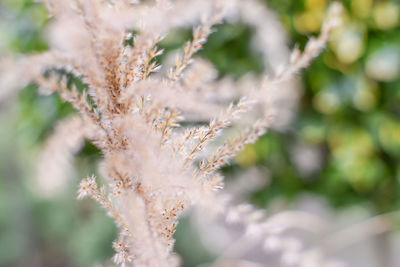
(150,162)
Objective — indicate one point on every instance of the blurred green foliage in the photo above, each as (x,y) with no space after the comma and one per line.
(348,123)
(349,110)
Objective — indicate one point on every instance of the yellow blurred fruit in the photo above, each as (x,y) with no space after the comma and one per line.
(316,4)
(361,8)
(386,15)
(309,21)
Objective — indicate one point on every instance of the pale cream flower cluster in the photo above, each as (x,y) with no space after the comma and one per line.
(153,168)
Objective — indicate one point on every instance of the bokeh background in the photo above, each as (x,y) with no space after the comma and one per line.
(341,152)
